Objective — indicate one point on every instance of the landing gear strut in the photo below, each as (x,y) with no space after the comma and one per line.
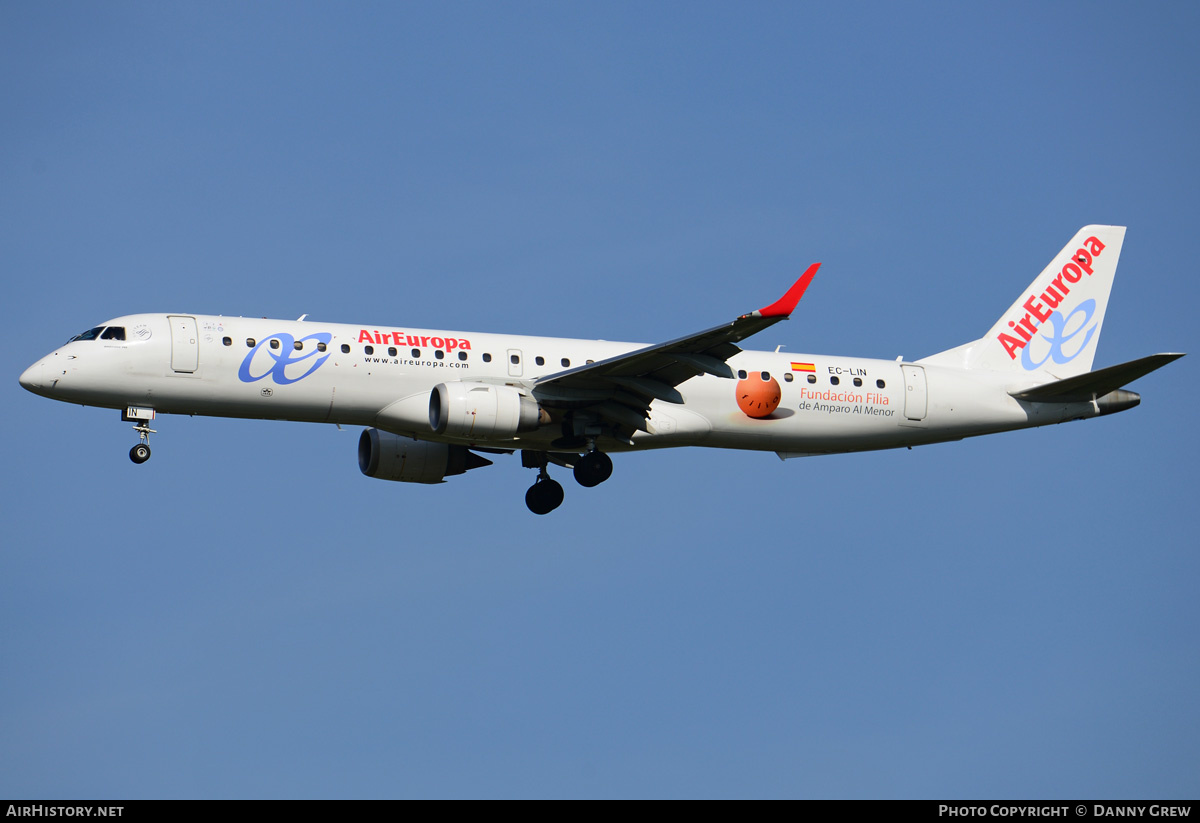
(593,468)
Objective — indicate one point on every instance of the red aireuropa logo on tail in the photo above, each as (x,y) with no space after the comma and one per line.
(1040,308)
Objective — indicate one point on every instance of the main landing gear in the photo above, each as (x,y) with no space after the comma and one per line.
(546,494)
(593,469)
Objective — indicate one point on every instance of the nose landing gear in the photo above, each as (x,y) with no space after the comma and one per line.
(141,419)
(141,452)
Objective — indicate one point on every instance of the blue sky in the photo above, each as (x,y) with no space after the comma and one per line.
(246,615)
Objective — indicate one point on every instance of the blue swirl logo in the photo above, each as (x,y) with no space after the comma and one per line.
(285,356)
(1060,336)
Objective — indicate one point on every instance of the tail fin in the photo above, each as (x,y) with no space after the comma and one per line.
(1053,327)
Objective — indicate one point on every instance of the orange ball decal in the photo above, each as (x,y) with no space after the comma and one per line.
(758,396)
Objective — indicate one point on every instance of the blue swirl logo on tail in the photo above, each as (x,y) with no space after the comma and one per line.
(287,355)
(1060,335)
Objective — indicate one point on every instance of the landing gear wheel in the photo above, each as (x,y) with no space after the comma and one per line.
(544,496)
(593,469)
(139,453)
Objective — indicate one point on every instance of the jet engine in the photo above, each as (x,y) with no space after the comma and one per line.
(482,411)
(389,456)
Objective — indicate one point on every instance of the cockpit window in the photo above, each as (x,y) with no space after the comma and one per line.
(113,333)
(90,334)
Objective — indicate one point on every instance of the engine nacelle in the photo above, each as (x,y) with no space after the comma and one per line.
(389,456)
(482,411)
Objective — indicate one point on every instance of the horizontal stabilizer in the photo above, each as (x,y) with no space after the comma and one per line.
(1086,387)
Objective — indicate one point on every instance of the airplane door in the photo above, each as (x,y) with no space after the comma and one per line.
(916,398)
(514,363)
(185,347)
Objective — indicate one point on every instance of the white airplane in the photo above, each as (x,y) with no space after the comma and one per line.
(434,400)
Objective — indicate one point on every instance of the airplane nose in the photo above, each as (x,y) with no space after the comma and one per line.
(31,378)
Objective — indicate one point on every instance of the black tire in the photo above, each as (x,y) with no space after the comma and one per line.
(593,469)
(139,453)
(544,496)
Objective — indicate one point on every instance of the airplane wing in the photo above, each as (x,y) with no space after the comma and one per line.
(619,390)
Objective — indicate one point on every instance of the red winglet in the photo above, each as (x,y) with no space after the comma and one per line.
(785,305)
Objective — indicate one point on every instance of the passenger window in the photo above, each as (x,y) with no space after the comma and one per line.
(858,381)
(345,348)
(227,341)
(765,376)
(249,342)
(416,353)
(833,381)
(590,362)
(812,378)
(462,355)
(787,377)
(741,374)
(369,349)
(566,363)
(487,358)
(113,333)
(274,343)
(514,359)
(298,346)
(879,384)
(391,351)
(439,354)
(541,361)
(321,347)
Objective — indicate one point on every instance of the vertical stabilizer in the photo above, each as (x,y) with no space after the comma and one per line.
(1053,327)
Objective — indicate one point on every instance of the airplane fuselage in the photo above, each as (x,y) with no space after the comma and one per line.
(382,377)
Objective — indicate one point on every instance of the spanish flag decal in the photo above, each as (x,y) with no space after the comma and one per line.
(809,367)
